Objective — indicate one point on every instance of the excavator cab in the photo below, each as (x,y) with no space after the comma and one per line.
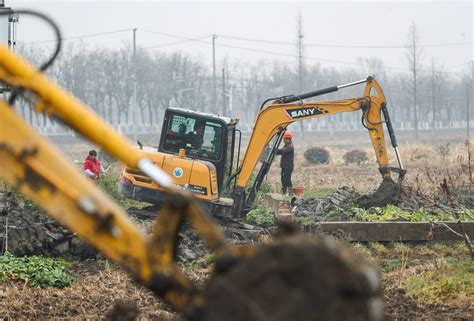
(203,136)
(189,140)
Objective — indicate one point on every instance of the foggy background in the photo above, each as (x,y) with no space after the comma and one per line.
(420,52)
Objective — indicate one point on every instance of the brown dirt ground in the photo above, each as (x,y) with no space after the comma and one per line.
(100,285)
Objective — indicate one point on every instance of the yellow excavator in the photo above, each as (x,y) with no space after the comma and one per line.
(199,150)
(295,277)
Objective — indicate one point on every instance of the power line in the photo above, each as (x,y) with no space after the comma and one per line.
(344,46)
(77,37)
(176,42)
(282,54)
(186,39)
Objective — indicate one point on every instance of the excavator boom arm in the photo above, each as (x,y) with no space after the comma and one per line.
(275,118)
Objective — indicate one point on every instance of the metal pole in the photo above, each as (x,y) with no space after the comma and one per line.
(433,92)
(224,110)
(469,92)
(300,64)
(415,107)
(135,103)
(467,110)
(214,88)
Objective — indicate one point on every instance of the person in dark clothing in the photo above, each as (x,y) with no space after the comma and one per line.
(196,137)
(286,162)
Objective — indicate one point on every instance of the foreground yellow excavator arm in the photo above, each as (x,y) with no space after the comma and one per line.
(41,172)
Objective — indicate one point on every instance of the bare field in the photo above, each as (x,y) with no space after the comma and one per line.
(99,286)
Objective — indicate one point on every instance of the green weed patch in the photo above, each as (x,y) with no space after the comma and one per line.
(37,271)
(261,217)
(394,213)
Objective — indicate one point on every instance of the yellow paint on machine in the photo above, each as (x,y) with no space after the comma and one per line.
(184,172)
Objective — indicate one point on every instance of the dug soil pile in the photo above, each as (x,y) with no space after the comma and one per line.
(335,206)
(342,205)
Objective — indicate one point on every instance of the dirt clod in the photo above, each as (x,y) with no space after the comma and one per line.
(123,311)
(296,278)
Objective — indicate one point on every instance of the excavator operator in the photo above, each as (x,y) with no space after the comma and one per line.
(196,137)
(287,162)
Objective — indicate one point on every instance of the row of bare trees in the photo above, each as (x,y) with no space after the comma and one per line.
(103,79)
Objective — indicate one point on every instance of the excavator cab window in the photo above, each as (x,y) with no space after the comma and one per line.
(199,137)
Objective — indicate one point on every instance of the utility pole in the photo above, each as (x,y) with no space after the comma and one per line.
(433,92)
(300,63)
(468,116)
(469,92)
(224,110)
(214,88)
(135,103)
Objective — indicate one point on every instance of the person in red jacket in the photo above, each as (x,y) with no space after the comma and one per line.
(92,166)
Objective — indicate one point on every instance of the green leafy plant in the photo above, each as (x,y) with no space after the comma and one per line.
(261,217)
(37,271)
(317,155)
(394,213)
(109,183)
(355,156)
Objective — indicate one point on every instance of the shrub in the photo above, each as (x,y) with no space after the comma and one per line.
(355,156)
(317,155)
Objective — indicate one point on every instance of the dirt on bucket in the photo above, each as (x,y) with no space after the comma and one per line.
(387,193)
(297,278)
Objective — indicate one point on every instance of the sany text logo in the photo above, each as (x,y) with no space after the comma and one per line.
(303,112)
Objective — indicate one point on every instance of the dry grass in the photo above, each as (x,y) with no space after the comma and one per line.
(92,296)
(427,166)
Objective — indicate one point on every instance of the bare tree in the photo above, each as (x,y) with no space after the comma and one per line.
(438,89)
(413,56)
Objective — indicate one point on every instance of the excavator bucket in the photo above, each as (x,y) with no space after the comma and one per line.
(296,278)
(387,193)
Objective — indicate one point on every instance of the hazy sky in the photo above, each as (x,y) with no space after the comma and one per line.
(262,24)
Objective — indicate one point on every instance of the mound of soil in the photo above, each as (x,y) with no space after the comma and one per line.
(331,208)
(334,207)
